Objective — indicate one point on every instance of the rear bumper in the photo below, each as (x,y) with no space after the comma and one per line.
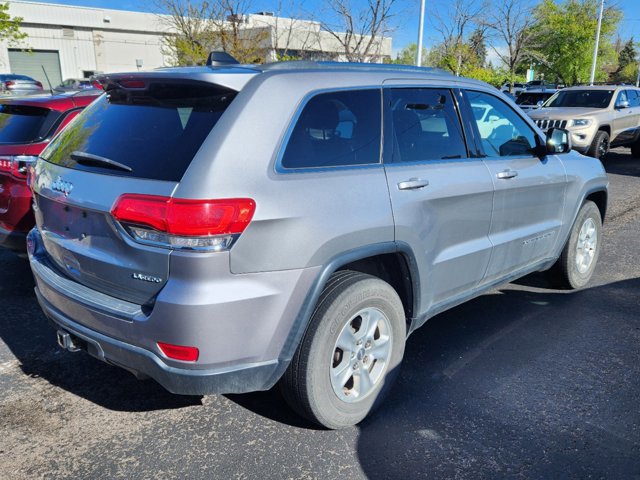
(236,379)
(239,323)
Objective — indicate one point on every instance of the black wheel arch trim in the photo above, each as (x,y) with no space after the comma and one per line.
(306,311)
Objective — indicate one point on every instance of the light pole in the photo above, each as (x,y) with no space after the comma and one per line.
(420,33)
(595,50)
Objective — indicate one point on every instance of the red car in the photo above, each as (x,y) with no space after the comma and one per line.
(27,125)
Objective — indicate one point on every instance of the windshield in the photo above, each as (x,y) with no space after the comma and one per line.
(527,98)
(23,124)
(581,99)
(154,132)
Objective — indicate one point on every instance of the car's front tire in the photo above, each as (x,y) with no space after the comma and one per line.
(350,353)
(600,145)
(577,262)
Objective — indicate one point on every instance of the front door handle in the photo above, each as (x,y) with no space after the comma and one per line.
(507,174)
(412,184)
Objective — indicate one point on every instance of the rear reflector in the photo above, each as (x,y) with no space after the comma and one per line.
(179,352)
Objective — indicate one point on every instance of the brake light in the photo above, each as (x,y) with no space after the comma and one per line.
(133,83)
(179,352)
(38,84)
(18,165)
(183,223)
(9,83)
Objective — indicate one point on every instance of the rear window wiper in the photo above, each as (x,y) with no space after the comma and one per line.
(84,158)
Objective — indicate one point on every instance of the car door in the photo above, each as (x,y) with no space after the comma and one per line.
(529,191)
(624,119)
(441,194)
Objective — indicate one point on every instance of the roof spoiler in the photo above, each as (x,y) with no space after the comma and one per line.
(217,59)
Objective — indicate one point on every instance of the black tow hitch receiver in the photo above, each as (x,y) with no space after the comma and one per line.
(68,341)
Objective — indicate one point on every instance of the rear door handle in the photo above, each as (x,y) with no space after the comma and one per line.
(507,174)
(412,184)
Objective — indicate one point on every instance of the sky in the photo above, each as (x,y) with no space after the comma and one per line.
(406,19)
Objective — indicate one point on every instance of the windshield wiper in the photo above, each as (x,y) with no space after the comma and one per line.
(84,158)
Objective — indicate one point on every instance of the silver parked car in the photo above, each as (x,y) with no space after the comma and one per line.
(222,229)
(19,84)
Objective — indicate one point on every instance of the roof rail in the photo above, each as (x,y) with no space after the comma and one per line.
(307,64)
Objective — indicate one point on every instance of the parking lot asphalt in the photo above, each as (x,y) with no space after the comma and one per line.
(523,382)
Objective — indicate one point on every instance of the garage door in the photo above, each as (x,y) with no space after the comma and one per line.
(31,64)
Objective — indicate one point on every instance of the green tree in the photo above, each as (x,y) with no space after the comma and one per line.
(407,56)
(10,26)
(478,46)
(564,37)
(627,63)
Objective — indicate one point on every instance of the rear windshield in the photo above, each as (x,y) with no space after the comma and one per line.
(24,124)
(581,98)
(155,131)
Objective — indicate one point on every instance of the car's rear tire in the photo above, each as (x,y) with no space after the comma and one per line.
(635,149)
(350,354)
(600,145)
(577,262)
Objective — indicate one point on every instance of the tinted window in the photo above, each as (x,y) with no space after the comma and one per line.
(502,131)
(581,98)
(155,131)
(425,125)
(634,98)
(24,124)
(336,129)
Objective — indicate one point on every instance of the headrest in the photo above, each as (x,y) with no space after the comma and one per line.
(323,116)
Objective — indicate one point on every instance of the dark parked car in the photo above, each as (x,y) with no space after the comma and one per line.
(531,99)
(27,125)
(19,85)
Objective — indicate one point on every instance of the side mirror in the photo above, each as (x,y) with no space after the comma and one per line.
(558,141)
(622,104)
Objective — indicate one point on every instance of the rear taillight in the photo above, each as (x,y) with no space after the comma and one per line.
(17,165)
(38,84)
(9,83)
(97,84)
(183,223)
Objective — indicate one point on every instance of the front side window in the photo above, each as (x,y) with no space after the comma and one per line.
(503,132)
(425,125)
(622,98)
(634,98)
(336,129)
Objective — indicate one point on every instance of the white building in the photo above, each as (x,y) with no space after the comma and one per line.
(75,42)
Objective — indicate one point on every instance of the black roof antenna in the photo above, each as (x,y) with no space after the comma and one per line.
(218,59)
(47,77)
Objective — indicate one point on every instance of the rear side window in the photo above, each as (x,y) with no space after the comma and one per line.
(24,124)
(425,125)
(154,131)
(336,129)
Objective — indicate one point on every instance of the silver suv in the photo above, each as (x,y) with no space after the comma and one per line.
(599,117)
(220,229)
